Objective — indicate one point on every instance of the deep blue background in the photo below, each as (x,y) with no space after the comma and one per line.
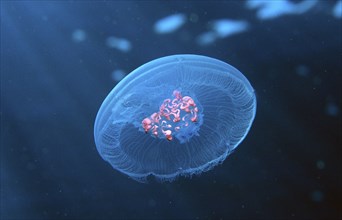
(289,166)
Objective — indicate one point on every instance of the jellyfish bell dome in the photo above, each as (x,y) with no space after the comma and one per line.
(176,115)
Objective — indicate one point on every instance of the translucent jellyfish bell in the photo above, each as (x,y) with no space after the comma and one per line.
(177,115)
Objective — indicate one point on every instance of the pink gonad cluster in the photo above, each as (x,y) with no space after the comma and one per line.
(173,115)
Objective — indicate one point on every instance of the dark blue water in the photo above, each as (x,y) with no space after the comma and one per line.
(57,64)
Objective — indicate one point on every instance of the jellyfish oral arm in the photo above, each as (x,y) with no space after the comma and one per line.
(172,117)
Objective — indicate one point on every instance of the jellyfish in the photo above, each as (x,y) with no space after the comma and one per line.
(178,115)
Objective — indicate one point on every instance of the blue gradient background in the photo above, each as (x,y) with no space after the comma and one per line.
(288,167)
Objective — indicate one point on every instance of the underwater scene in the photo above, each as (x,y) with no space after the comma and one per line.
(171,109)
